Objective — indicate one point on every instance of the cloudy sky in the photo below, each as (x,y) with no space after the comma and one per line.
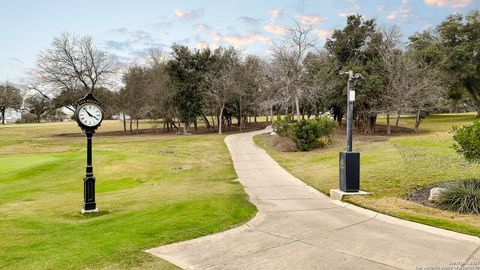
(128,28)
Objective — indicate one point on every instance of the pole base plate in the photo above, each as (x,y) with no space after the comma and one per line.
(83,211)
(337,194)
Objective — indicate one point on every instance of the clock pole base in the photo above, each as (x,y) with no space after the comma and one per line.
(83,211)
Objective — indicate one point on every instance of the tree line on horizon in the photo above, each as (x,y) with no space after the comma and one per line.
(437,70)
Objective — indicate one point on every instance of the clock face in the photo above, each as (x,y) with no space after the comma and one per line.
(90,115)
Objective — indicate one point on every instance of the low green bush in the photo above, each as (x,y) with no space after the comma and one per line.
(461,196)
(306,133)
(467,141)
(282,126)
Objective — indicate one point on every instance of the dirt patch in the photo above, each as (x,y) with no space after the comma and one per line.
(282,144)
(162,132)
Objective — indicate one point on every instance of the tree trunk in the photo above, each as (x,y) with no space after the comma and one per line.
(137,125)
(473,89)
(372,122)
(454,106)
(398,120)
(124,123)
(271,114)
(213,123)
(2,110)
(240,118)
(205,119)
(417,121)
(388,123)
(38,118)
(297,106)
(221,119)
(131,128)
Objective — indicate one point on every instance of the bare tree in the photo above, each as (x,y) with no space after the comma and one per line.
(74,64)
(134,94)
(221,80)
(37,105)
(422,83)
(393,98)
(291,55)
(10,98)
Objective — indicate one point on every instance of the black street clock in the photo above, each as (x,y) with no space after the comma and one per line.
(89,116)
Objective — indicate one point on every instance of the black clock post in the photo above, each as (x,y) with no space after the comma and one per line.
(89,116)
(89,180)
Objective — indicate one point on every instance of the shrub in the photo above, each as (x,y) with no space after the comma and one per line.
(327,127)
(467,141)
(462,196)
(27,118)
(282,127)
(306,133)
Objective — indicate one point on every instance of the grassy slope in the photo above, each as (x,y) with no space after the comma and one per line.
(145,199)
(391,168)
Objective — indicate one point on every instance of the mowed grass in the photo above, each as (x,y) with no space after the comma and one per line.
(151,190)
(391,168)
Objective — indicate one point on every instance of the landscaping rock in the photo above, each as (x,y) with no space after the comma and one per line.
(435,194)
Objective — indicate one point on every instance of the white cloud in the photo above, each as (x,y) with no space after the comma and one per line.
(346,14)
(184,14)
(240,40)
(200,44)
(448,3)
(249,21)
(201,27)
(402,11)
(275,13)
(310,19)
(275,29)
(322,33)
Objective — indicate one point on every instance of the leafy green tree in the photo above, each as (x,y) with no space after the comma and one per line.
(467,141)
(187,71)
(460,39)
(356,47)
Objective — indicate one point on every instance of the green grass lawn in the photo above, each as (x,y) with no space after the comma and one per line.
(391,168)
(151,190)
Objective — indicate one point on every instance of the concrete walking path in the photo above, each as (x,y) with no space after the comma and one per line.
(297,227)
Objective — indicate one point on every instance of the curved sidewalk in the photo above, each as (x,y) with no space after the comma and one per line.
(297,227)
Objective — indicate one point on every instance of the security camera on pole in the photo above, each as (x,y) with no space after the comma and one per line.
(349,161)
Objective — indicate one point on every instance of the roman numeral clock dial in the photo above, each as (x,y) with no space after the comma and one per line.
(90,115)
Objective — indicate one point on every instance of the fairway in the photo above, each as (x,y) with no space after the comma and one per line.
(391,168)
(151,190)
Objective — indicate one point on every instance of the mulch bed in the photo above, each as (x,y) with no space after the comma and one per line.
(160,132)
(420,195)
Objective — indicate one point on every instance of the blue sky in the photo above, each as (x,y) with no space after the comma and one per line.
(129,28)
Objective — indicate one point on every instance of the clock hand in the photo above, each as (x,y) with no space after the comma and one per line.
(90,113)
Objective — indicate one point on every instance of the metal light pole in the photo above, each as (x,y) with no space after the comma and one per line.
(349,161)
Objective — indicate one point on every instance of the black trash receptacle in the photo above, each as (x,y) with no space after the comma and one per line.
(349,171)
